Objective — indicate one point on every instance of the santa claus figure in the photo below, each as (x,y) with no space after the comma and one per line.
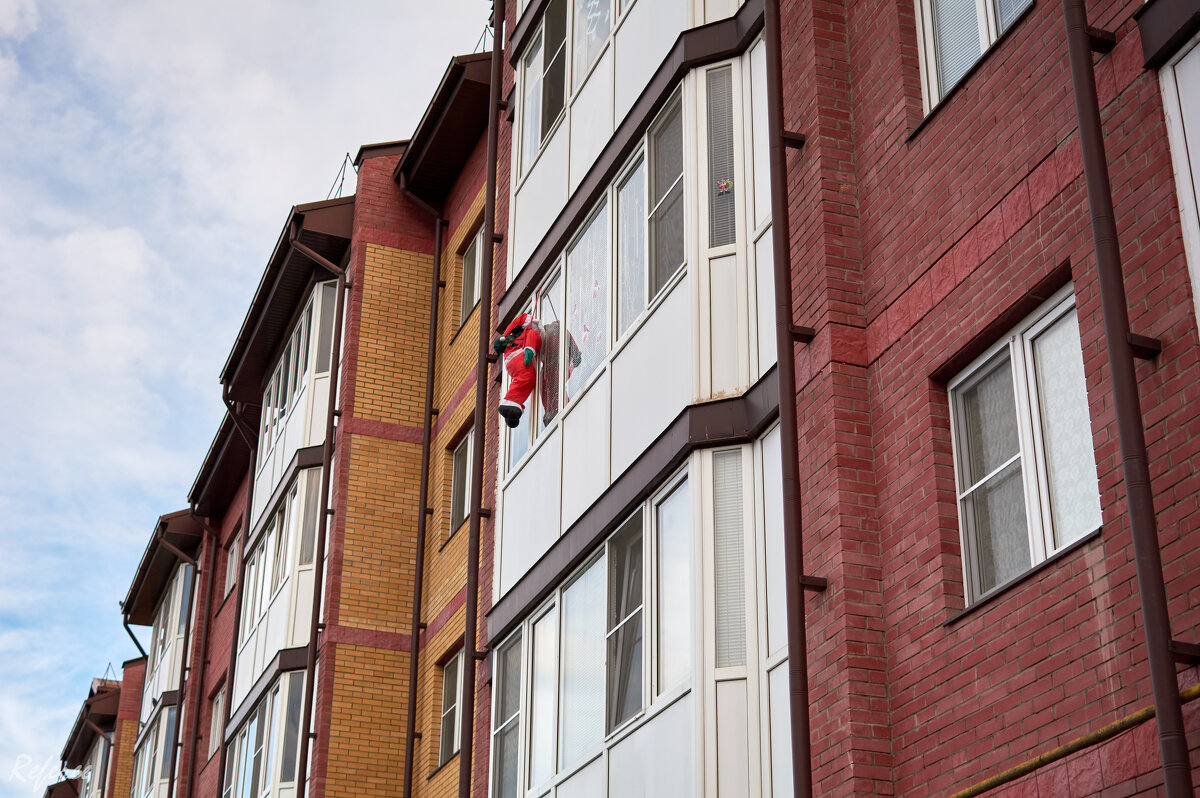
(519,346)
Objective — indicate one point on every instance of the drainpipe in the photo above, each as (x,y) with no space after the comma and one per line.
(786,336)
(1130,431)
(184,671)
(227,709)
(322,527)
(471,620)
(132,636)
(410,734)
(214,541)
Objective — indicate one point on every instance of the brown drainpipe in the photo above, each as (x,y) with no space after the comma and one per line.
(471,614)
(184,672)
(227,709)
(786,335)
(322,526)
(214,542)
(410,733)
(1143,526)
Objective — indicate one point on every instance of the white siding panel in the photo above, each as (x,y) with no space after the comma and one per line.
(302,610)
(540,198)
(592,118)
(764,266)
(723,309)
(531,504)
(277,623)
(781,732)
(656,760)
(587,783)
(642,42)
(585,451)
(652,378)
(776,611)
(733,755)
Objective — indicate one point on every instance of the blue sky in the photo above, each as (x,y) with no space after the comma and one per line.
(149,154)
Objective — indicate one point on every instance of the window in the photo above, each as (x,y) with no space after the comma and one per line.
(248,772)
(587,301)
(1023,459)
(451,700)
(460,485)
(216,720)
(625,623)
(506,714)
(285,523)
(722,211)
(954,34)
(231,561)
(469,295)
(593,20)
(544,77)
(168,744)
(1180,80)
(312,499)
(674,552)
(291,731)
(582,718)
(666,198)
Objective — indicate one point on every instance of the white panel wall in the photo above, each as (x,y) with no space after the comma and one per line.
(531,513)
(733,755)
(305,426)
(652,378)
(587,783)
(644,39)
(657,759)
(781,733)
(540,198)
(764,265)
(591,118)
(723,308)
(585,451)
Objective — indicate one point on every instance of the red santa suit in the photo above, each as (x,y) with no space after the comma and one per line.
(519,347)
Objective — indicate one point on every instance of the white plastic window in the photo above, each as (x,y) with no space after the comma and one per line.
(954,33)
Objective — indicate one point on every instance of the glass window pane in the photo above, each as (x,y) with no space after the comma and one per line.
(989,422)
(1066,431)
(312,499)
(291,732)
(666,199)
(507,742)
(631,248)
(548,304)
(531,134)
(625,622)
(587,301)
(185,599)
(542,713)
(470,263)
(554,76)
(449,737)
(507,739)
(729,553)
(168,744)
(674,521)
(956,40)
(722,223)
(510,684)
(1007,11)
(593,18)
(325,334)
(994,516)
(761,153)
(583,665)
(285,377)
(459,486)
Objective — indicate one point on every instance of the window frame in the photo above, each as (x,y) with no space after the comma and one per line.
(216,705)
(987,18)
(455,687)
(467,445)
(1017,346)
(474,245)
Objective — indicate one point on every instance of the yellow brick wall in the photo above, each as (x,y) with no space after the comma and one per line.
(366,736)
(123,773)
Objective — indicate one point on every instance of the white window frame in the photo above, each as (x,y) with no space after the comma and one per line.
(1185,150)
(453,690)
(467,302)
(988,22)
(216,721)
(231,561)
(1017,346)
(467,445)
(290,374)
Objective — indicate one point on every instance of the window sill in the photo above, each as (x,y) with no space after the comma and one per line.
(454,532)
(463,324)
(983,57)
(1001,590)
(452,758)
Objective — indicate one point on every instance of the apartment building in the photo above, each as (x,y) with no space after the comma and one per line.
(972,593)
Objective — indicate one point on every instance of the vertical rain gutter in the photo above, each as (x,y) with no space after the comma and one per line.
(214,540)
(471,653)
(410,732)
(227,709)
(323,522)
(1130,430)
(785,338)
(132,636)
(184,671)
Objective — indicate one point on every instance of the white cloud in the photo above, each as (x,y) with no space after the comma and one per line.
(149,155)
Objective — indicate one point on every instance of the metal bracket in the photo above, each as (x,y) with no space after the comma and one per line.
(480,656)
(1144,346)
(498,238)
(793,139)
(428,511)
(1188,653)
(491,357)
(1101,41)
(817,584)
(416,735)
(441,283)
(802,335)
(422,626)
(485,512)
(433,411)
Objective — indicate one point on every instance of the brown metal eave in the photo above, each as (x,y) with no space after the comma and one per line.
(694,48)
(325,228)
(449,130)
(174,532)
(67,788)
(1165,25)
(222,472)
(100,709)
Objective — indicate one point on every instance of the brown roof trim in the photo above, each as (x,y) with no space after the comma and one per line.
(67,788)
(100,707)
(693,48)
(178,529)
(222,472)
(308,457)
(724,422)
(1165,25)
(326,228)
(450,128)
(380,150)
(285,660)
